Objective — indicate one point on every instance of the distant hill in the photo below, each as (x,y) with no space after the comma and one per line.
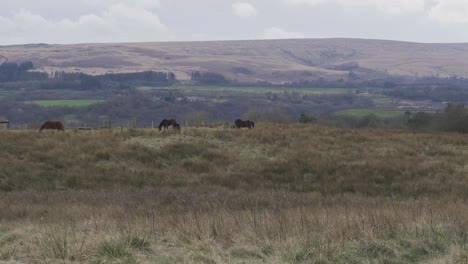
(253,60)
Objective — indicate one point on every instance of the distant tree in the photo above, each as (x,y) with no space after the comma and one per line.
(90,83)
(307,119)
(171,76)
(25,66)
(453,118)
(389,84)
(196,75)
(9,67)
(420,120)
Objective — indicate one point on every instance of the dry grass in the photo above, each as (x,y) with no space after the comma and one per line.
(274,194)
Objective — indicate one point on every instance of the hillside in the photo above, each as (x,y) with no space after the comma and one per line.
(256,60)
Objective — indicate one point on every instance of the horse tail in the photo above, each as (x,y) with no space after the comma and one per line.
(60,126)
(252,123)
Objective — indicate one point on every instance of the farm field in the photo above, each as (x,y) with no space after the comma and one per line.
(273,194)
(381,102)
(247,92)
(69,103)
(6,93)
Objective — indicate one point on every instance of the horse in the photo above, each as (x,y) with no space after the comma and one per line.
(168,122)
(247,123)
(177,126)
(52,125)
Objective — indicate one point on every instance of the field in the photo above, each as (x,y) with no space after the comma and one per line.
(376,112)
(217,92)
(6,92)
(273,194)
(246,91)
(68,103)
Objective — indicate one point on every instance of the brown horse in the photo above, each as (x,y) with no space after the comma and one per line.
(247,123)
(52,125)
(166,123)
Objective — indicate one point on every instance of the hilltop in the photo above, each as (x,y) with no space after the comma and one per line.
(273,61)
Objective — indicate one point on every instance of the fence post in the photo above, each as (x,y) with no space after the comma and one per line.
(121,128)
(152,124)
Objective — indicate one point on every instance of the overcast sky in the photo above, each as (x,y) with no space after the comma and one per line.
(67,21)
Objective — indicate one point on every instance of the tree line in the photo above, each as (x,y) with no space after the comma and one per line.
(13,76)
(13,72)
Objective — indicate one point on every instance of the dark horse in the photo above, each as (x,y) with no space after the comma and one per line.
(166,123)
(52,125)
(247,123)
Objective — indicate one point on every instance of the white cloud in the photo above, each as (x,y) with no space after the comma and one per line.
(450,11)
(387,6)
(243,9)
(279,33)
(118,23)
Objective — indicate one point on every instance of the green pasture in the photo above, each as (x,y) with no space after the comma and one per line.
(69,103)
(382,101)
(7,93)
(377,112)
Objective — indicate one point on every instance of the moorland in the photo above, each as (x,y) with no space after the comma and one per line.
(278,193)
(358,155)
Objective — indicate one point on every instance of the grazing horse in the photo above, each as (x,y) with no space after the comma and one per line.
(168,122)
(247,123)
(52,125)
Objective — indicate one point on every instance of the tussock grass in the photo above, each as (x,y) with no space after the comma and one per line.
(301,158)
(273,194)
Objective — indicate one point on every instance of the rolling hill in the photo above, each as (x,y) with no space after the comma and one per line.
(254,60)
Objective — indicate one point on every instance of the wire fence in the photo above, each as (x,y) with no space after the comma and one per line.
(110,124)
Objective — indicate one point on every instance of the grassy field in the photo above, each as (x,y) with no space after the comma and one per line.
(382,101)
(273,194)
(248,92)
(377,112)
(4,93)
(69,103)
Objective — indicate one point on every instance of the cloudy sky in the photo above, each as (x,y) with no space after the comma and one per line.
(67,21)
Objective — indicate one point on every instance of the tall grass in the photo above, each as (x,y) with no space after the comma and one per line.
(274,194)
(290,157)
